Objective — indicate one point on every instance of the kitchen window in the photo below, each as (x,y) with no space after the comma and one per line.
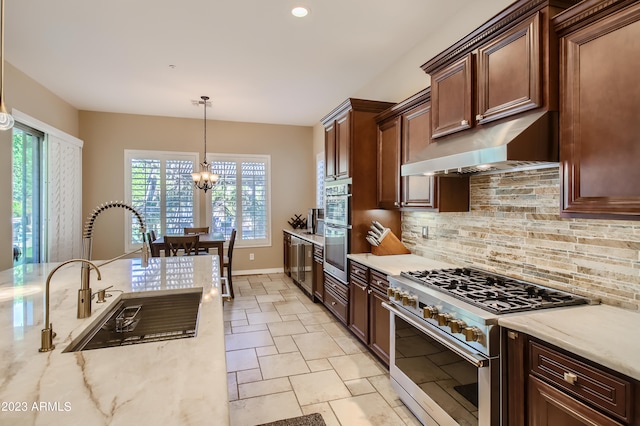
(159,186)
(241,199)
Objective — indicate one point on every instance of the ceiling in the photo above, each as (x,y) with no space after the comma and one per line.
(256,61)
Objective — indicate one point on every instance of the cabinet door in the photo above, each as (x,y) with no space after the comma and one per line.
(515,364)
(358,310)
(452,97)
(417,191)
(330,151)
(600,89)
(286,245)
(379,327)
(318,274)
(509,72)
(389,164)
(343,145)
(550,407)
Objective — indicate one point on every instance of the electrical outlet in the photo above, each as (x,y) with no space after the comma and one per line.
(251,256)
(425,232)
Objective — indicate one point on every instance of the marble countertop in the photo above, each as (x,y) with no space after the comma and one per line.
(604,334)
(312,238)
(394,264)
(172,382)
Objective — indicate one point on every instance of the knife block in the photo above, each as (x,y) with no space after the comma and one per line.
(390,244)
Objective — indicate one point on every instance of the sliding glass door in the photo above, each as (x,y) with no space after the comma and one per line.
(27,175)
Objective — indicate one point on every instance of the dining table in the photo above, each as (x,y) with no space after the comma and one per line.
(212,240)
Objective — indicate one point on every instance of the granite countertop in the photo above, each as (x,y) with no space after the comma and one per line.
(604,334)
(312,238)
(172,382)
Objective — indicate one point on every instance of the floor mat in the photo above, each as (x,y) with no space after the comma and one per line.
(314,419)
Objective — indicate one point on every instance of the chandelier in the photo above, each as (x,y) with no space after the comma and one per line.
(204,179)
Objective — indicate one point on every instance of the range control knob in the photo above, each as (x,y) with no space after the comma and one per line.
(472,334)
(429,312)
(390,291)
(457,326)
(409,300)
(443,319)
(397,295)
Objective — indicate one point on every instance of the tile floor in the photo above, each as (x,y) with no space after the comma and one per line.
(288,356)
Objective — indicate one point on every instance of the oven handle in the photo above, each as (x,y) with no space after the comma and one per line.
(473,358)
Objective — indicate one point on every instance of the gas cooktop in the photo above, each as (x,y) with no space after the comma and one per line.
(495,293)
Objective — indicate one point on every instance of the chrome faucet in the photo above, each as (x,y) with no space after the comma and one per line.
(84,294)
(47,334)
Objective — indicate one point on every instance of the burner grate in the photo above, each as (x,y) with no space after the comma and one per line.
(495,293)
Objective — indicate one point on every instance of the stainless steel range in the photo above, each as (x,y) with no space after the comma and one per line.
(445,339)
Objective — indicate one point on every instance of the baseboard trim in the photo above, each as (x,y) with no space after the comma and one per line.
(259,271)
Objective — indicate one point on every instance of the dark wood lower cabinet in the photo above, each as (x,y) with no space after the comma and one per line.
(379,327)
(336,298)
(368,320)
(318,273)
(549,406)
(358,312)
(548,386)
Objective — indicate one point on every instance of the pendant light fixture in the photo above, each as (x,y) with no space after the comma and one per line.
(205,179)
(6,120)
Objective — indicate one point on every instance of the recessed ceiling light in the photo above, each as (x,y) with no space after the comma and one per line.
(300,12)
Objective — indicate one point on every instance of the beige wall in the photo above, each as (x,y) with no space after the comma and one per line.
(107,135)
(33,99)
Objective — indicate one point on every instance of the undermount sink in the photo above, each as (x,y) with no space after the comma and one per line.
(141,318)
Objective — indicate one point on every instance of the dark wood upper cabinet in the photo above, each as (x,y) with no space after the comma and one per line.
(404,131)
(350,138)
(600,106)
(452,97)
(509,72)
(506,66)
(389,153)
(417,191)
(330,151)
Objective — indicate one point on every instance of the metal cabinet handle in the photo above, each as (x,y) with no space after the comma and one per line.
(363,288)
(395,203)
(464,123)
(333,303)
(570,378)
(479,117)
(369,291)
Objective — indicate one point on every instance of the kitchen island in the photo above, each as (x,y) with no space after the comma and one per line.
(169,382)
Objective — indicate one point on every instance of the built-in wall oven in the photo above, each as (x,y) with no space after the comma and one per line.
(445,340)
(337,228)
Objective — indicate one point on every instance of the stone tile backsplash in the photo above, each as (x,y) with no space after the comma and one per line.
(514,228)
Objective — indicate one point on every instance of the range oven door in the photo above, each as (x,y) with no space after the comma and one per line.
(336,248)
(441,381)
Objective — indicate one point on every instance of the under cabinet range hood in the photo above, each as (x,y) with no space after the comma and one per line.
(526,142)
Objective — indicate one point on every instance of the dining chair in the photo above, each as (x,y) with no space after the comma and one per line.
(153,236)
(198,230)
(227,261)
(187,243)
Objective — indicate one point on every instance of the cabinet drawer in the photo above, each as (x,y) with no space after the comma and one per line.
(318,253)
(586,382)
(336,286)
(359,272)
(378,280)
(335,304)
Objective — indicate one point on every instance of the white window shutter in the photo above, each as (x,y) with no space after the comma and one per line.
(64,192)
